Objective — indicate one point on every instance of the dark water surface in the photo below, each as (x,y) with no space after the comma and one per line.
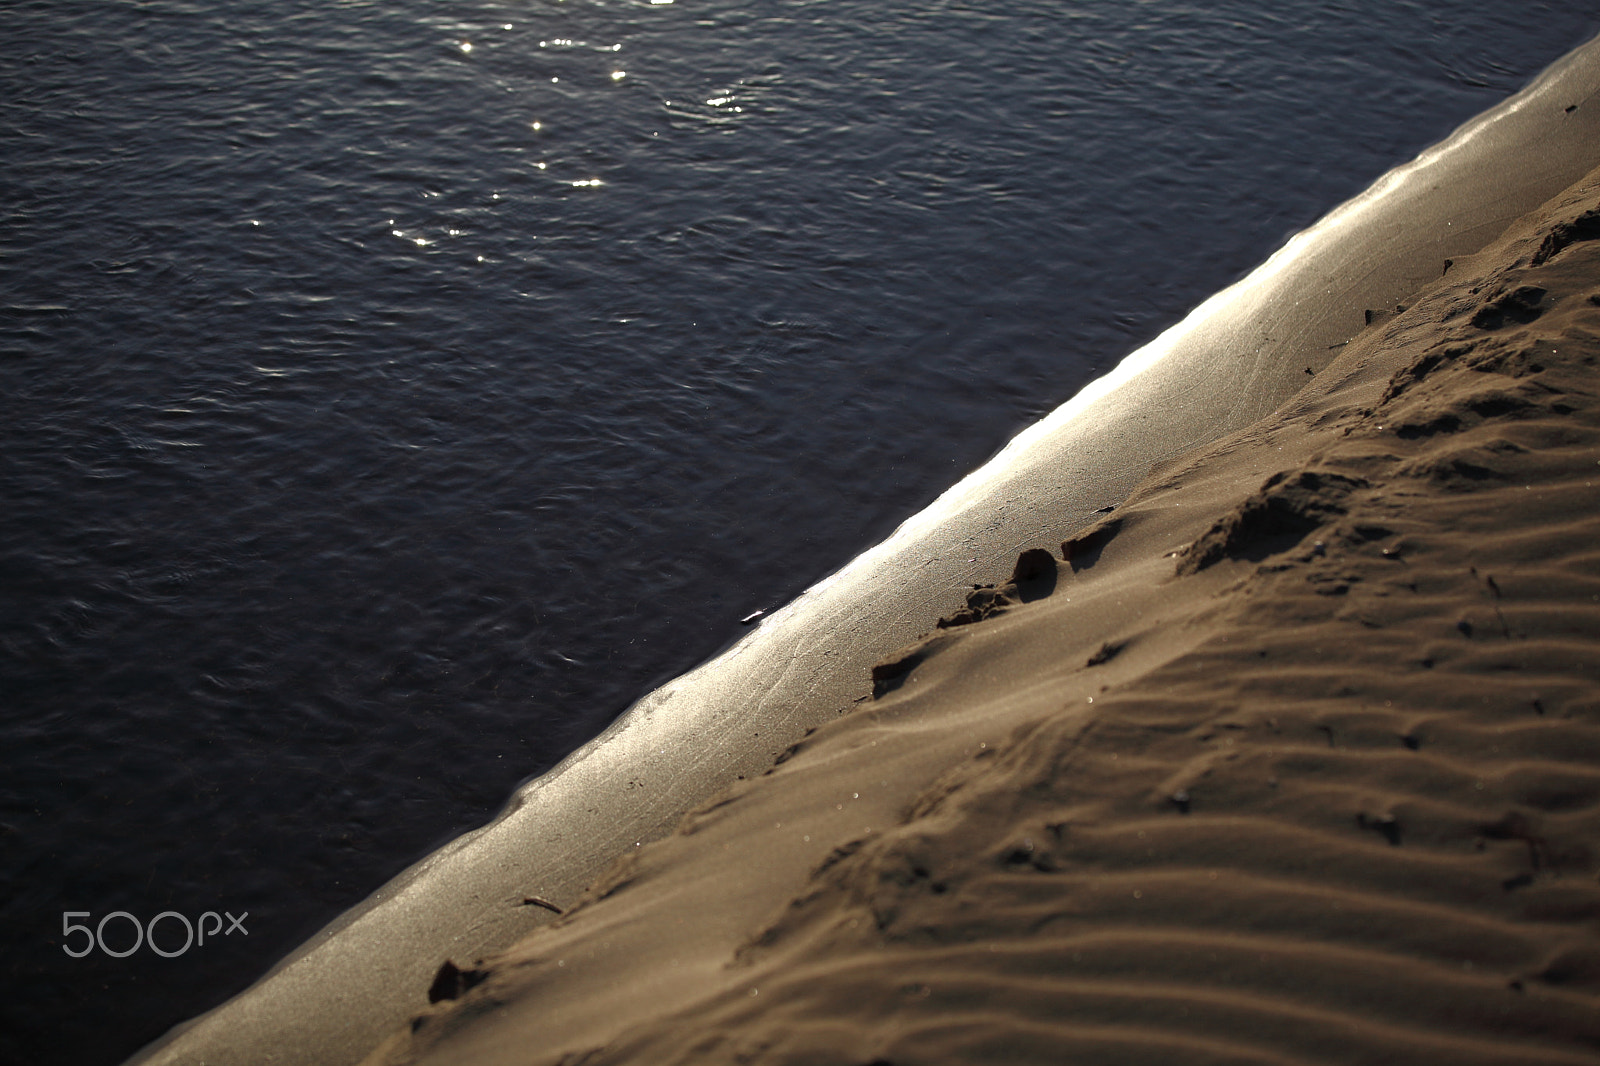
(394,392)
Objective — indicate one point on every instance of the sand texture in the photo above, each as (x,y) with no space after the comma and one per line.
(1292,757)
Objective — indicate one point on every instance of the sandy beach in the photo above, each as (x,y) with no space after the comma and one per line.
(1293,755)
(1315,780)
(1248,711)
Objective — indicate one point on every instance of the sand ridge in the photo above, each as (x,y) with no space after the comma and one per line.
(1292,757)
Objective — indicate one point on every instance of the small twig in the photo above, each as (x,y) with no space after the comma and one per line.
(1495,588)
(535,901)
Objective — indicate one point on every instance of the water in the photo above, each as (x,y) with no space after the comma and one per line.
(394,392)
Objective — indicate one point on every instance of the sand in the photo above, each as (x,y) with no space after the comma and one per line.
(1292,755)
(732,900)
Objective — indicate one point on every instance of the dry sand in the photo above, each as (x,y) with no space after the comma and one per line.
(1314,781)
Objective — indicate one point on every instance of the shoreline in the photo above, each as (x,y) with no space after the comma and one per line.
(808,662)
(1290,757)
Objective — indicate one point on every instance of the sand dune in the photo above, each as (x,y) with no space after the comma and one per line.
(1292,757)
